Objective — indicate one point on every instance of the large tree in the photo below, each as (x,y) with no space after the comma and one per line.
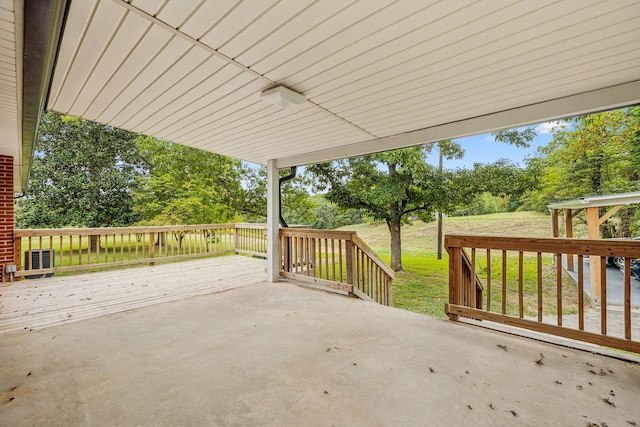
(83,174)
(393,185)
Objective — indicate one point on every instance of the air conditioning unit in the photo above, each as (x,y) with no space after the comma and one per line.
(33,262)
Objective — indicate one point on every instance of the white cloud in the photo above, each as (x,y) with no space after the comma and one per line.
(550,127)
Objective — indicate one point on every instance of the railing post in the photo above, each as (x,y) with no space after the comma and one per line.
(235,238)
(286,253)
(350,260)
(17,253)
(455,272)
(152,247)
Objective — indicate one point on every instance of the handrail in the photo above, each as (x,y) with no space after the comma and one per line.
(543,253)
(338,260)
(371,254)
(37,232)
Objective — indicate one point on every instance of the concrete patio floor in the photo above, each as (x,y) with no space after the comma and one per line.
(282,355)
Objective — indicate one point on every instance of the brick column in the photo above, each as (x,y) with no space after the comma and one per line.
(6,214)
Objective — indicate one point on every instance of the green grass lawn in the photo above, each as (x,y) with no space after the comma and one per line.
(423,285)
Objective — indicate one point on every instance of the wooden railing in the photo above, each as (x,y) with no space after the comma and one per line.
(335,259)
(505,290)
(251,239)
(39,252)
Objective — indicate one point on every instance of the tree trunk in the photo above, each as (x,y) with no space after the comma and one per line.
(396,244)
(94,242)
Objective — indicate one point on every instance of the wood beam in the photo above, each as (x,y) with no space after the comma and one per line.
(609,214)
(568,227)
(555,227)
(593,225)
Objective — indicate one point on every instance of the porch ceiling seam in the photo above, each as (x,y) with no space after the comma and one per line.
(227,59)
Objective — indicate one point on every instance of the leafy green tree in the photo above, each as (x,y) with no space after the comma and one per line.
(598,154)
(83,174)
(394,185)
(184,185)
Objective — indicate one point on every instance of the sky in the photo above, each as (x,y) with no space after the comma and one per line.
(483,149)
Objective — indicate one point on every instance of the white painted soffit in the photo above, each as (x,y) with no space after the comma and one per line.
(377,74)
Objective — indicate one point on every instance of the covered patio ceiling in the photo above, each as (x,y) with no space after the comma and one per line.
(376,75)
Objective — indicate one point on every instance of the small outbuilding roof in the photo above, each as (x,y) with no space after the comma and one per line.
(597,201)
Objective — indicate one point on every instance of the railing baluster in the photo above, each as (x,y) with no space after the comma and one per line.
(326,258)
(333,260)
(70,249)
(603,303)
(581,292)
(472,282)
(61,252)
(340,257)
(362,272)
(539,268)
(319,256)
(504,282)
(521,284)
(559,288)
(52,260)
(488,279)
(40,266)
(455,279)
(627,298)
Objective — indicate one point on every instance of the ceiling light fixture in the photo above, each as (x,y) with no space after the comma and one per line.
(281,96)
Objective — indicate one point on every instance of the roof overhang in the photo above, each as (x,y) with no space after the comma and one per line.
(29,36)
(598,201)
(376,76)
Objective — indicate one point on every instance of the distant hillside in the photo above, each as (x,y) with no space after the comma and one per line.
(420,236)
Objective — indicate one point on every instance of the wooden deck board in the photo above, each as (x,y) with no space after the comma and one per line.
(39,303)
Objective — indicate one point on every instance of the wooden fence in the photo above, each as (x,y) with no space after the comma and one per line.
(463,295)
(335,259)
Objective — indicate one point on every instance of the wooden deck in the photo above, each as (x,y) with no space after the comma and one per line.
(39,303)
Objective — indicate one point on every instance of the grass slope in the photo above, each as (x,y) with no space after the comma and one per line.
(423,285)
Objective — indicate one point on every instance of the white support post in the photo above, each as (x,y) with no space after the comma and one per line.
(273,222)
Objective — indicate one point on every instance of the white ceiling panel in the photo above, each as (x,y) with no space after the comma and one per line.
(113,54)
(191,71)
(488,84)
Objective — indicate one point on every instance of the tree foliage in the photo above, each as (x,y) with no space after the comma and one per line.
(297,206)
(83,174)
(395,185)
(184,185)
(594,155)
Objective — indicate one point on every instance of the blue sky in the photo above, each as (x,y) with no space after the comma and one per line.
(483,149)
